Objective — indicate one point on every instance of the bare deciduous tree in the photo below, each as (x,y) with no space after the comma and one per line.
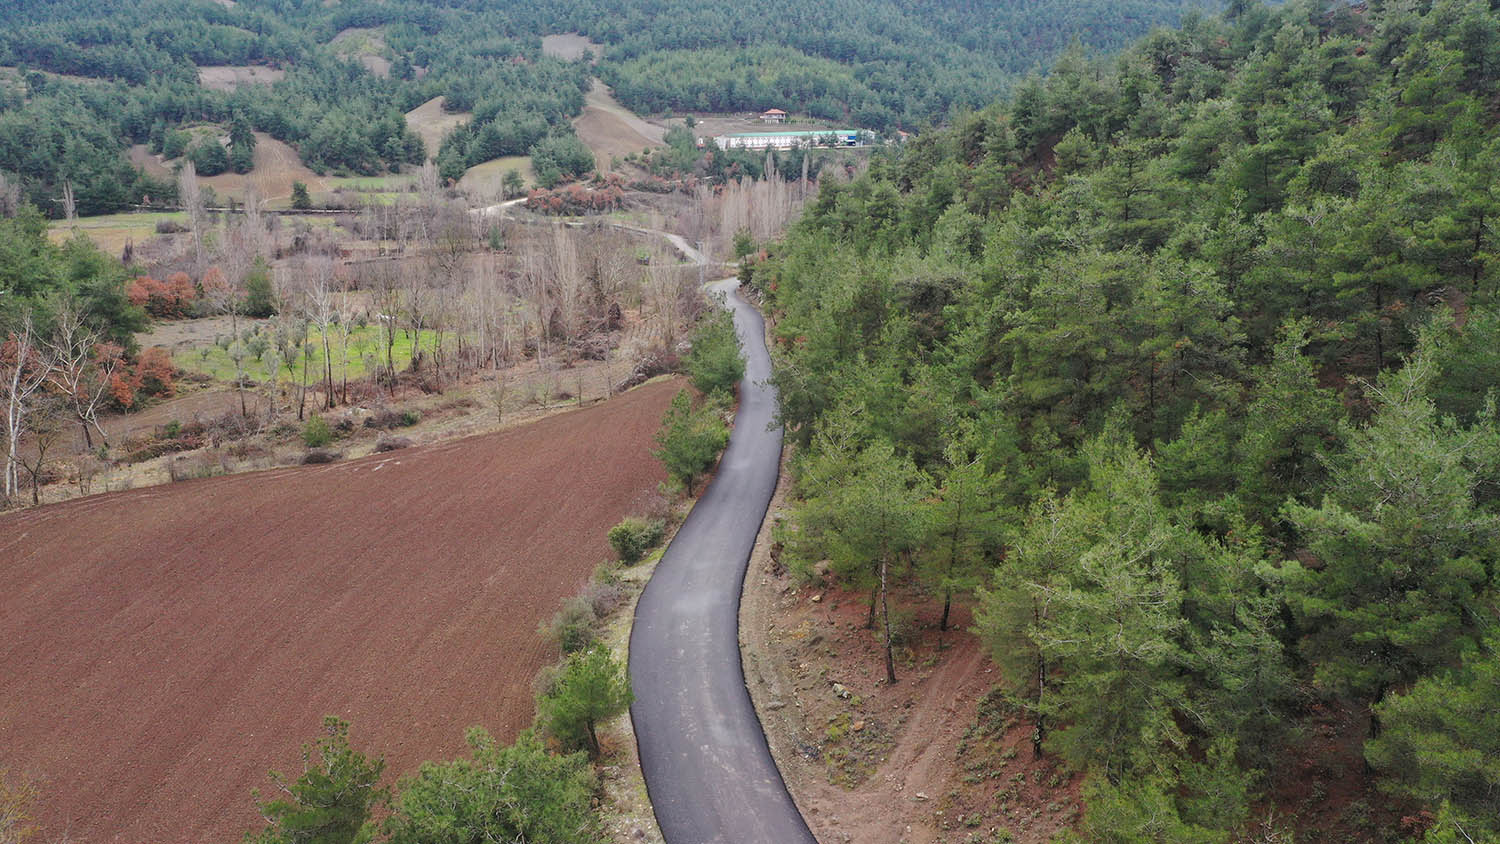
(190,198)
(70,204)
(224,297)
(10,197)
(23,374)
(44,424)
(82,367)
(318,304)
(569,283)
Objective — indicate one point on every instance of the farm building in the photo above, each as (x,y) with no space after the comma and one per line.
(787,140)
(774,115)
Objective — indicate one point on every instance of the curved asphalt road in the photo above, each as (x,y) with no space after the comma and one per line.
(708,768)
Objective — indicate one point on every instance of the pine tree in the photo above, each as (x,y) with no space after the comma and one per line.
(1403,551)
(591,688)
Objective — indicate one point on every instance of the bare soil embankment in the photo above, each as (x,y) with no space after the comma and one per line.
(930,760)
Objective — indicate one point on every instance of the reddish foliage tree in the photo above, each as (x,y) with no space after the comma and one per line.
(576,199)
(122,387)
(153,376)
(168,299)
(182,288)
(156,372)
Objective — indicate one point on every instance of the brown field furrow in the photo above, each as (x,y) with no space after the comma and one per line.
(162,648)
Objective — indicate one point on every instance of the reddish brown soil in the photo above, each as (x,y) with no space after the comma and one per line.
(924,764)
(162,648)
(1322,791)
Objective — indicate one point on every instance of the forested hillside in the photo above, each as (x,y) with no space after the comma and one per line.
(86,80)
(883,65)
(90,80)
(1184,364)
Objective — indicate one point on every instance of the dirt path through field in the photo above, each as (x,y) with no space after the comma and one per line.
(610,129)
(162,648)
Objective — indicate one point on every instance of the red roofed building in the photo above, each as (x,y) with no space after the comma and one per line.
(774,115)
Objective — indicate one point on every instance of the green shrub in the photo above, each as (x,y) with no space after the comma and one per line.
(316,433)
(330,801)
(572,627)
(714,362)
(410,418)
(689,440)
(519,792)
(634,536)
(744,243)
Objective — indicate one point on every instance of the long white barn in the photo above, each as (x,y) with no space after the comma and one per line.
(789,139)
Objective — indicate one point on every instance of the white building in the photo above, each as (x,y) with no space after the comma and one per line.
(789,139)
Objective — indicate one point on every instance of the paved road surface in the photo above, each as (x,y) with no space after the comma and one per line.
(708,768)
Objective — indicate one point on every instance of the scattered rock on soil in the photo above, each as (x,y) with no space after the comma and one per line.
(392,443)
(321,455)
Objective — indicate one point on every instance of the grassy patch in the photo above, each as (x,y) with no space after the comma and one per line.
(366,352)
(390,183)
(485,178)
(111,231)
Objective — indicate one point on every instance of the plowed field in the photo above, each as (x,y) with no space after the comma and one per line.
(161,648)
(610,129)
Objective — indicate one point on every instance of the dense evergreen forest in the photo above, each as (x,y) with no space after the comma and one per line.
(882,65)
(1185,363)
(92,78)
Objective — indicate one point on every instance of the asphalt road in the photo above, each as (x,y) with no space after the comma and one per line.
(708,769)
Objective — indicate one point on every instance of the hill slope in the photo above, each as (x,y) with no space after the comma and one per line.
(1182,365)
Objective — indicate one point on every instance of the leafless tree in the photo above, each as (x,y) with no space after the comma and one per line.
(70,204)
(190,197)
(10,197)
(224,297)
(318,304)
(384,281)
(663,294)
(82,366)
(534,286)
(23,375)
(272,360)
(448,232)
(45,423)
(253,226)
(345,325)
(568,283)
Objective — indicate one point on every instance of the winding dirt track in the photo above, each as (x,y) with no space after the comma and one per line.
(161,648)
